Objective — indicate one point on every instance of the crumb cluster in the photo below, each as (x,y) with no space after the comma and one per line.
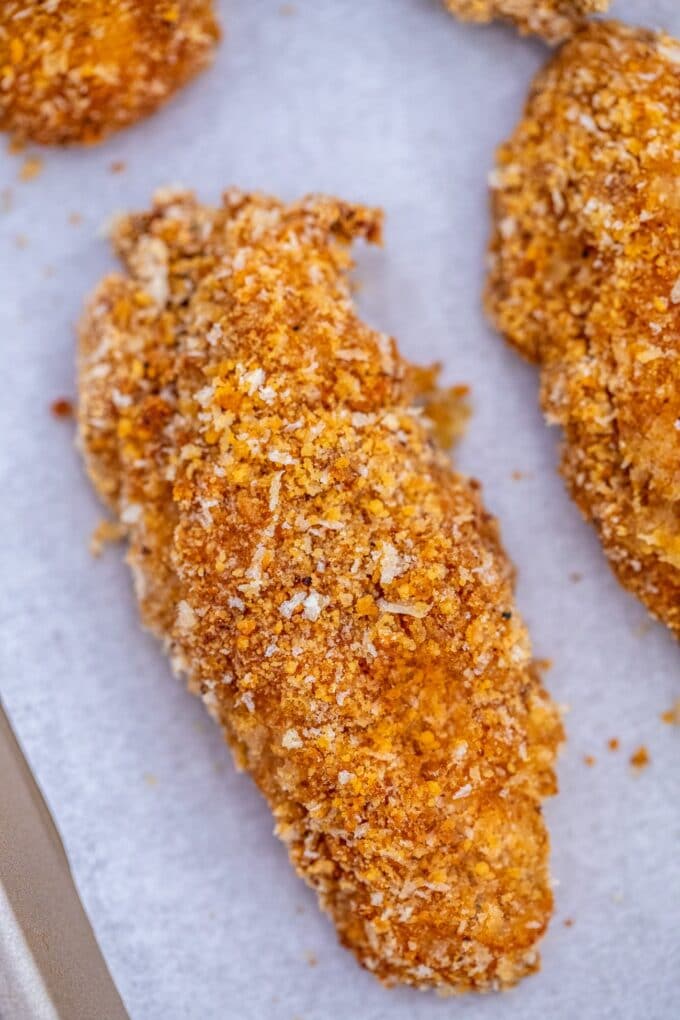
(554,20)
(585,280)
(75,70)
(334,592)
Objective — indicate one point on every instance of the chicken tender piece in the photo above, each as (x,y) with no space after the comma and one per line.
(554,20)
(335,593)
(75,70)
(585,280)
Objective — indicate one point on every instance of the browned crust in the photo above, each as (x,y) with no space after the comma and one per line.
(75,70)
(554,20)
(334,591)
(584,280)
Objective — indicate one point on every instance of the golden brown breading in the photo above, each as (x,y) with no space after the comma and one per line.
(552,19)
(75,70)
(336,594)
(585,280)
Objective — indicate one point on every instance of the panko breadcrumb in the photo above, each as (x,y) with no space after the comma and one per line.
(554,20)
(75,70)
(585,280)
(335,593)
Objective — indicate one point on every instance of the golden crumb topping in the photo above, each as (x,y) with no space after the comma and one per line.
(335,593)
(75,70)
(585,280)
(554,20)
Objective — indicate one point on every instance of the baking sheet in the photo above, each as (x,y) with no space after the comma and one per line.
(192,899)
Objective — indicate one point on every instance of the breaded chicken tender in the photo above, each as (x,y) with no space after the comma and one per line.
(332,589)
(554,20)
(585,280)
(75,70)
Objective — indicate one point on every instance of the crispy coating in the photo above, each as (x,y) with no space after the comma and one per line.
(554,20)
(585,281)
(75,70)
(333,590)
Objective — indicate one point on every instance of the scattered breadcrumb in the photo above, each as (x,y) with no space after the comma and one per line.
(589,760)
(672,716)
(334,591)
(104,534)
(118,166)
(31,167)
(584,269)
(613,744)
(640,758)
(554,20)
(62,408)
(75,219)
(150,779)
(74,70)
(21,241)
(575,577)
(311,958)
(448,408)
(568,922)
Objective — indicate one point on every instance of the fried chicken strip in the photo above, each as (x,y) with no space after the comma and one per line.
(75,70)
(585,280)
(554,20)
(332,589)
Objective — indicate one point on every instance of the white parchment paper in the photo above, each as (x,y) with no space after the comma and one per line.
(197,910)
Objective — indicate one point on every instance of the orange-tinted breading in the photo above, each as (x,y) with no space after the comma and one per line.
(552,19)
(585,280)
(75,70)
(332,589)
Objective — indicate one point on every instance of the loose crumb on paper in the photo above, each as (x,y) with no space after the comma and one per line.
(640,758)
(31,168)
(672,716)
(104,534)
(62,408)
(449,411)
